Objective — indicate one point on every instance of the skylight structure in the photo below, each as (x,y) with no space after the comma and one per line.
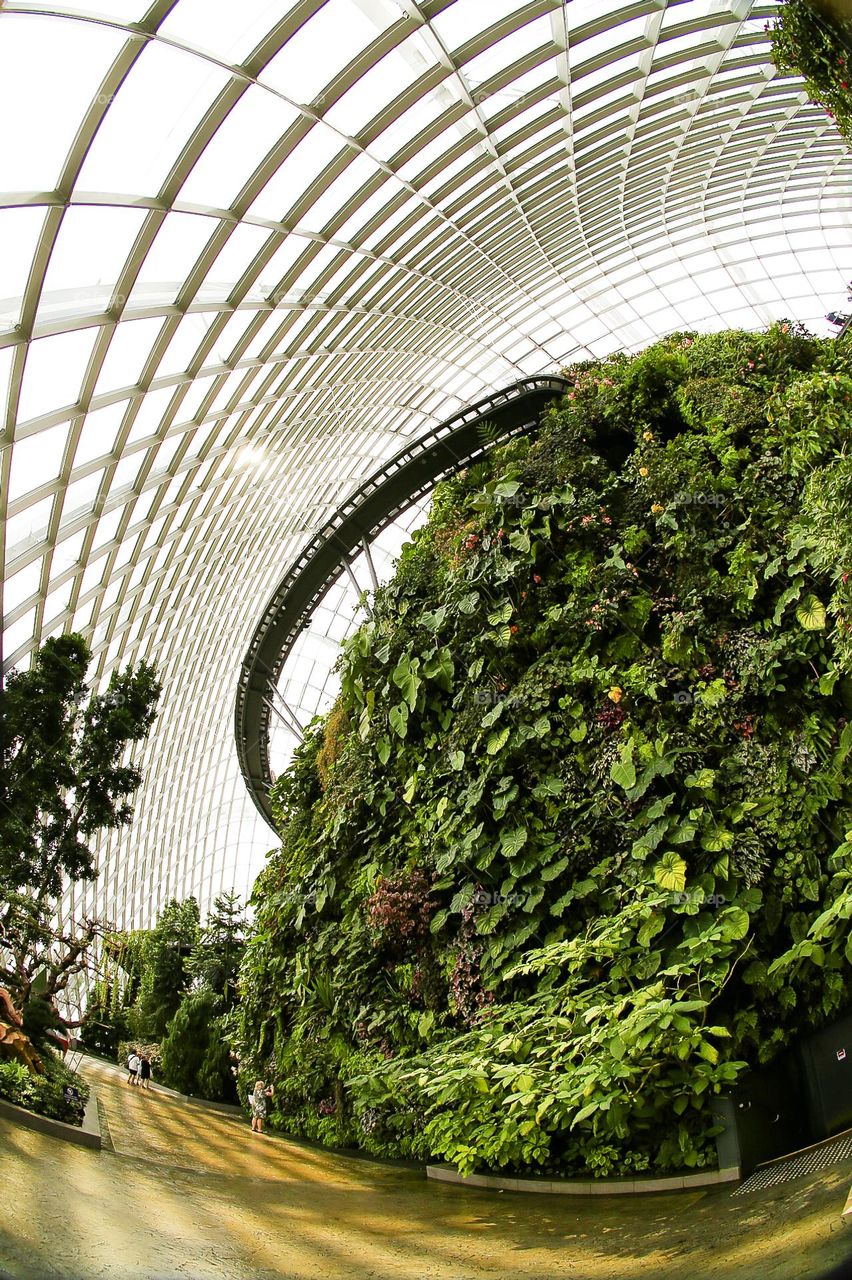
(247,250)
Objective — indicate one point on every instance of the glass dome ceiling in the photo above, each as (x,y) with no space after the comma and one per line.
(246,250)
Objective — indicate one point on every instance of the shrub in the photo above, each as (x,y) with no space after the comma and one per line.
(47,1095)
(194,1051)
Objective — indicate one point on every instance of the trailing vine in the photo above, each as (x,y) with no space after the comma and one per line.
(813,40)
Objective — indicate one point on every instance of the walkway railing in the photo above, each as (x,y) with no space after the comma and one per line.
(411,474)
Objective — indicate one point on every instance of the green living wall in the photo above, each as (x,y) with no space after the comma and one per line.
(573,848)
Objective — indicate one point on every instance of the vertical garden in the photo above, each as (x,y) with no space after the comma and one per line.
(573,849)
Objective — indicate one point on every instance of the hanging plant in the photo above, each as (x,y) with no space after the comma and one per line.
(813,40)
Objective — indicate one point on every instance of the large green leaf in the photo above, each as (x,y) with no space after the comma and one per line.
(500,615)
(398,717)
(623,770)
(405,677)
(810,613)
(670,872)
(512,841)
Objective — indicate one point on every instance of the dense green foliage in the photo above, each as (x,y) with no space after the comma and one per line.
(163,967)
(196,1052)
(813,39)
(174,985)
(573,848)
(49,1094)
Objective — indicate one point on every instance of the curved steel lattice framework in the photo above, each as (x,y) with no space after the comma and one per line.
(392,490)
(248,251)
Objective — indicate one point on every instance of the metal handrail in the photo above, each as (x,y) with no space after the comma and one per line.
(390,490)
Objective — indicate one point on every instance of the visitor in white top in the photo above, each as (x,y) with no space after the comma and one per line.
(133,1065)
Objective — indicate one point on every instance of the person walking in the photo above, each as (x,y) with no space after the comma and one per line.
(144,1072)
(133,1065)
(257,1102)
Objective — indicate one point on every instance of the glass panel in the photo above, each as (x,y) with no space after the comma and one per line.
(19,232)
(463,20)
(242,247)
(67,553)
(21,586)
(36,461)
(88,257)
(185,342)
(322,47)
(150,119)
(125,358)
(150,414)
(304,163)
(507,51)
(100,428)
(412,122)
(18,633)
(54,372)
(80,495)
(56,602)
(72,58)
(354,177)
(230,32)
(28,526)
(255,125)
(384,82)
(176,247)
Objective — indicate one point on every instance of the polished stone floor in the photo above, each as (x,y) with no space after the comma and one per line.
(190,1193)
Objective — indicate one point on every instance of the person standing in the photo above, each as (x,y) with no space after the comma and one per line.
(144,1072)
(133,1065)
(257,1102)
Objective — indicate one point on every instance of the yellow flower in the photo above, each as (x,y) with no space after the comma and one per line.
(643,471)
(647,435)
(657,507)
(615,694)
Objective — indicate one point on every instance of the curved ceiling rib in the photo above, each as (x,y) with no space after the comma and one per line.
(249,252)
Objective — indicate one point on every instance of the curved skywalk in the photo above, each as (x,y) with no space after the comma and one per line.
(248,249)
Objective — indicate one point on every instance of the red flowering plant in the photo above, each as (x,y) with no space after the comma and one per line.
(400,909)
(813,40)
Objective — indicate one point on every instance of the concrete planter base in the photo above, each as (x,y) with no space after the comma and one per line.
(594,1187)
(86,1135)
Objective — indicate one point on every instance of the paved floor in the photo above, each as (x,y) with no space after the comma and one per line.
(188,1193)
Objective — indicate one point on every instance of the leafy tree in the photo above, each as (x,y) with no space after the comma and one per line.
(216,960)
(195,1053)
(65,776)
(165,962)
(184,1046)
